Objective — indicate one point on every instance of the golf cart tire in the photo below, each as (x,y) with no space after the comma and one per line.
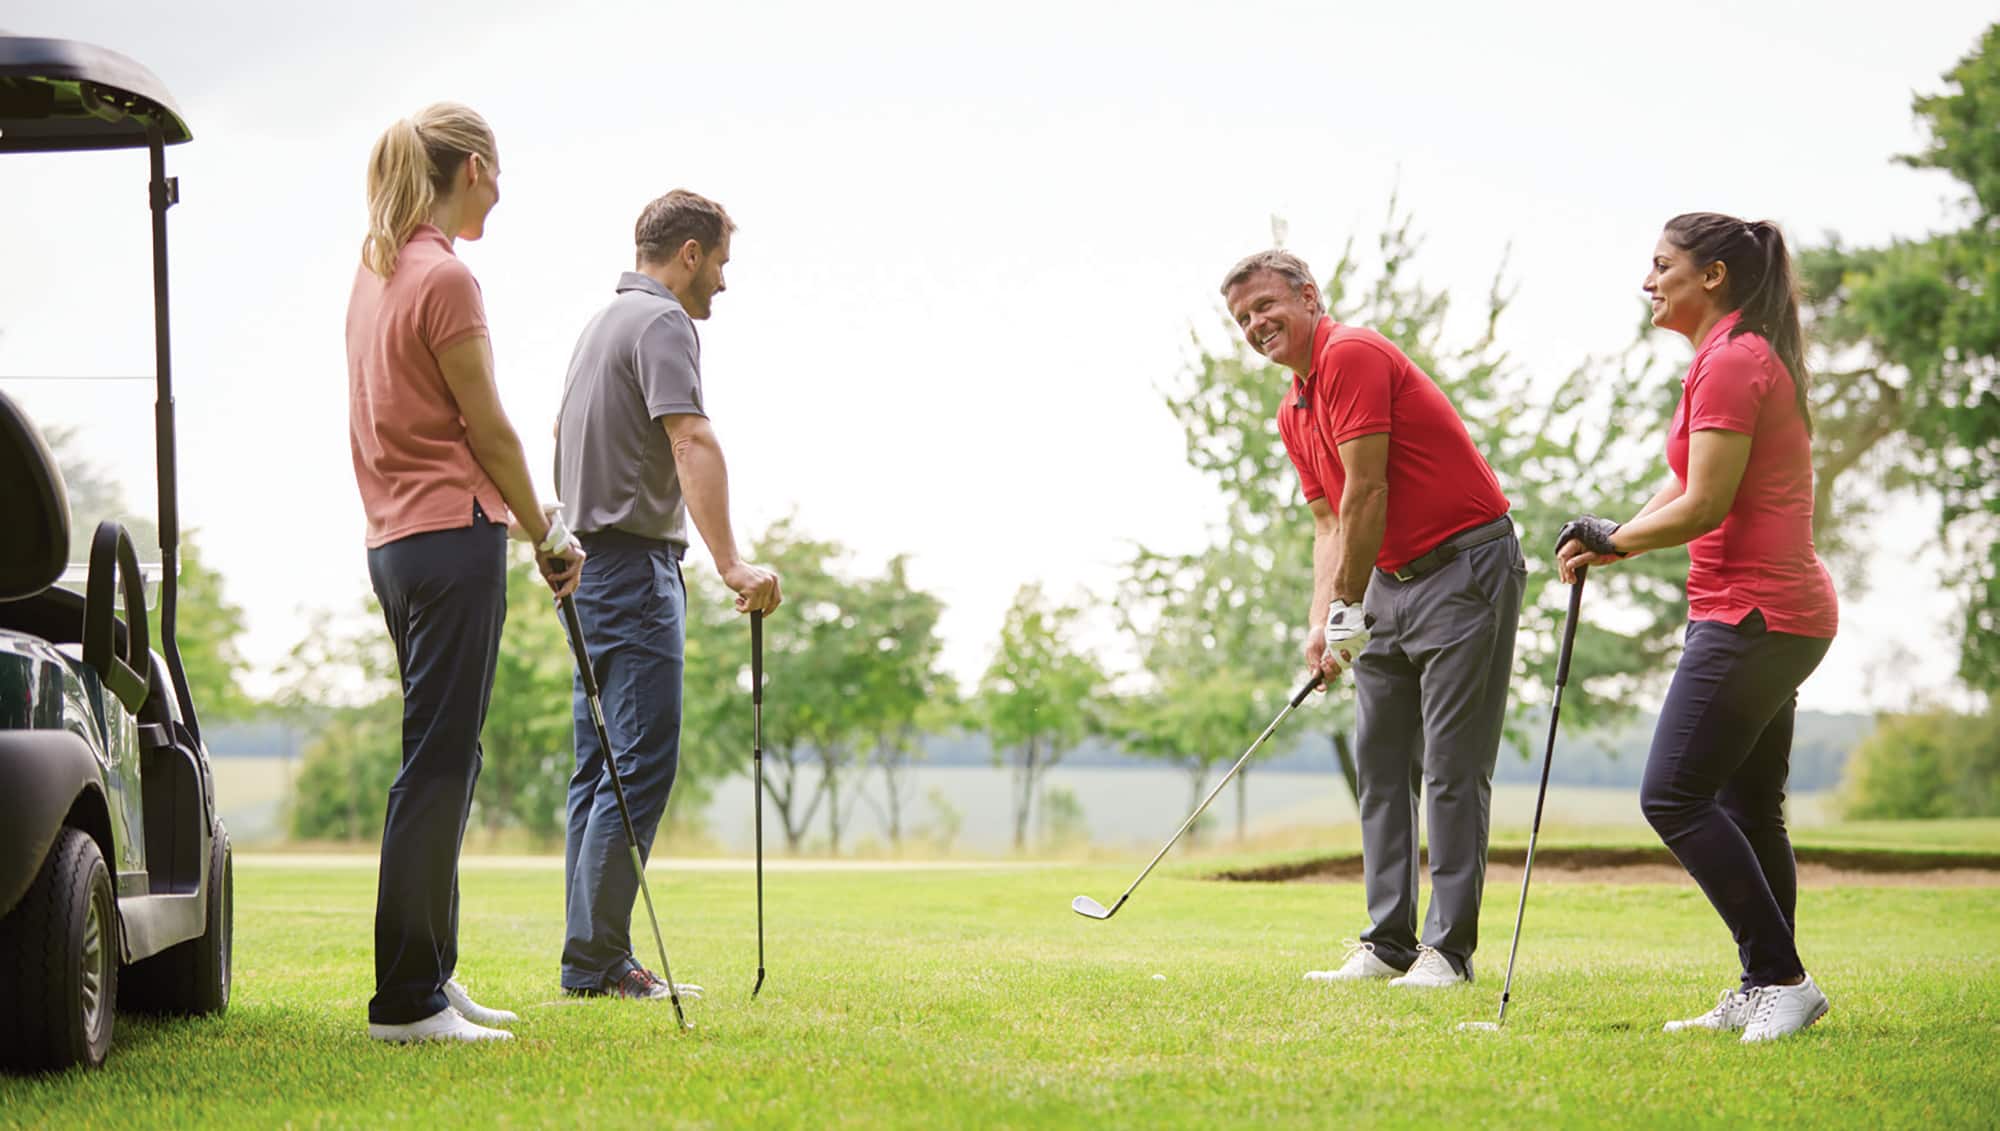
(48,1023)
(192,978)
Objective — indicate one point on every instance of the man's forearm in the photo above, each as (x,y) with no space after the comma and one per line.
(1364,515)
(705,485)
(1326,552)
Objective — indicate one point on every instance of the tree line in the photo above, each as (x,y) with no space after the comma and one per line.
(1905,389)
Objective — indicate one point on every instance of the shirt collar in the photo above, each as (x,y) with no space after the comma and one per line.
(1721,327)
(634,281)
(431,234)
(1302,384)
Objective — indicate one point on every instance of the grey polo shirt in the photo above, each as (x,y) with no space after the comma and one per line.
(638,360)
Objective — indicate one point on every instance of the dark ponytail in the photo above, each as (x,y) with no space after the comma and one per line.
(1762,285)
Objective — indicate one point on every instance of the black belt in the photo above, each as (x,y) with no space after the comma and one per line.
(612,538)
(1447,551)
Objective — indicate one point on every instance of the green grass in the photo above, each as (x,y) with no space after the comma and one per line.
(974,998)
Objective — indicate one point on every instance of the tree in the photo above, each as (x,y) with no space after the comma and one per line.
(905,693)
(1932,763)
(340,682)
(1906,391)
(850,667)
(1037,698)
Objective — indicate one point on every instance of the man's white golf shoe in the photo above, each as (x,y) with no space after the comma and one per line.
(1731,1014)
(1361,965)
(1430,971)
(1780,1011)
(473,1011)
(446,1024)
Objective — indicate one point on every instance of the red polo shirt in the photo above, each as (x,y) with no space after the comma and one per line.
(1361,384)
(1762,556)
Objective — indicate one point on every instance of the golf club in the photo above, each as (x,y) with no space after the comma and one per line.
(1548,756)
(590,692)
(1091,909)
(757,774)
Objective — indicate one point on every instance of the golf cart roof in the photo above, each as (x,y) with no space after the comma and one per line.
(58,94)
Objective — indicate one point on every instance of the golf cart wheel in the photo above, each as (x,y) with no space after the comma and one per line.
(192,978)
(59,962)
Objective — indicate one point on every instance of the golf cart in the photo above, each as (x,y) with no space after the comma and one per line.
(114,868)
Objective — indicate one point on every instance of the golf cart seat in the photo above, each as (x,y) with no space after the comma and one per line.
(34,510)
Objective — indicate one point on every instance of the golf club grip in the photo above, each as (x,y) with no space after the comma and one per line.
(1300,696)
(757,656)
(1569,626)
(576,644)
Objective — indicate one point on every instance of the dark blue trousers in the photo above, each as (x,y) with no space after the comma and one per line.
(444,598)
(632,604)
(1715,781)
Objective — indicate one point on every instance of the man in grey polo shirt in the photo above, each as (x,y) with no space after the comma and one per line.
(634,456)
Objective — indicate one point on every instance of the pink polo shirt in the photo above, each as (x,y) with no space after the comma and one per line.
(412,459)
(1762,556)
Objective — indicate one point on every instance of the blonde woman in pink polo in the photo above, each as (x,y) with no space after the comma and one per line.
(440,471)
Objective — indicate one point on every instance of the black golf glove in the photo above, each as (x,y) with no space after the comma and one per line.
(1594,532)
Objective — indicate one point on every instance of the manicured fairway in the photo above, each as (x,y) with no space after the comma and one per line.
(974,998)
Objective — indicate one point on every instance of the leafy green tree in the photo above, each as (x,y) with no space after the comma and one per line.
(851,680)
(1907,389)
(207,626)
(339,682)
(1935,763)
(905,693)
(1038,697)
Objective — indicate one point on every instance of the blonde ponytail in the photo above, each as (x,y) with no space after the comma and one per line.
(410,168)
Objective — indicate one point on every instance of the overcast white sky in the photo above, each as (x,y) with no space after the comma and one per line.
(974,240)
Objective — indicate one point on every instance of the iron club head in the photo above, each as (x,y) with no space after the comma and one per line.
(1089,908)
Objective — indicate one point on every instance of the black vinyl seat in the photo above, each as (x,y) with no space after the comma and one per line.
(34,508)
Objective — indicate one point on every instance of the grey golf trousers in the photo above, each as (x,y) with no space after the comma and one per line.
(1432,691)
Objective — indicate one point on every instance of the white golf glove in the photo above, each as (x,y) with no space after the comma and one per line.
(559,539)
(1347,629)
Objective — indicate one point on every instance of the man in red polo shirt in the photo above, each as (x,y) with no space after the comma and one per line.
(1417,583)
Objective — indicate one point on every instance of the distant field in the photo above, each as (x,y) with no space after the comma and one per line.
(1122,809)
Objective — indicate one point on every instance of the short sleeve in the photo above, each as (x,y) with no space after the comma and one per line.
(1726,389)
(450,309)
(1360,380)
(669,367)
(1288,422)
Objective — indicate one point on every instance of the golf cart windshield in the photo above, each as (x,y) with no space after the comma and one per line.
(78,345)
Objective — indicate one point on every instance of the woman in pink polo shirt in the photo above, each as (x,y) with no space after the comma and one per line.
(440,469)
(1761,608)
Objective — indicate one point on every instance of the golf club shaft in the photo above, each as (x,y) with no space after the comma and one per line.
(757,774)
(591,695)
(1548,757)
(1297,698)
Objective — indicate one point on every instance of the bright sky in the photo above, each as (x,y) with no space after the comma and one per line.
(974,240)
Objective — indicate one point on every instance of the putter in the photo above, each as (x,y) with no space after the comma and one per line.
(590,692)
(1548,756)
(757,774)
(1091,909)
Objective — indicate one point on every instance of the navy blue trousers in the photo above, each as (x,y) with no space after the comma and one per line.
(632,604)
(1715,781)
(444,598)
